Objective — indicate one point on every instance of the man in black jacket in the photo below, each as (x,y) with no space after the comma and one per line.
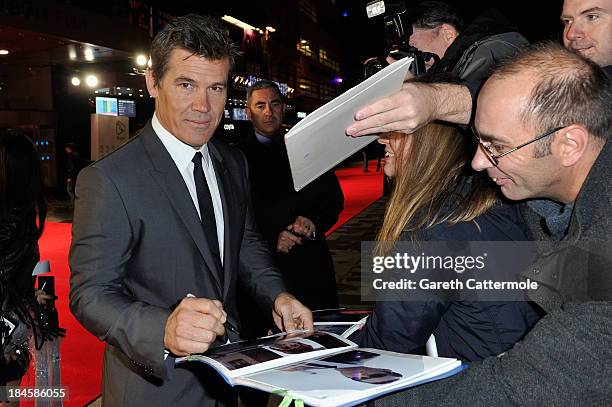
(293,223)
(468,52)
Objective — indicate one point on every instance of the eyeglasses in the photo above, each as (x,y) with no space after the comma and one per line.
(493,154)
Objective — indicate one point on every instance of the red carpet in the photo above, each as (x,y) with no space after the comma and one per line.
(81,364)
(360,189)
(81,352)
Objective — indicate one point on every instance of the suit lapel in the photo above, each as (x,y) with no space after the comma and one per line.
(171,182)
(227,200)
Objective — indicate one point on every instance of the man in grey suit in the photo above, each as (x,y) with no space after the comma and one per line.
(163,232)
(542,122)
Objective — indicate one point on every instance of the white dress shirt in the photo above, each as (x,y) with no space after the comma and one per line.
(182,154)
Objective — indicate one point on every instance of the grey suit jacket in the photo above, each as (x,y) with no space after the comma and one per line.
(566,359)
(138,248)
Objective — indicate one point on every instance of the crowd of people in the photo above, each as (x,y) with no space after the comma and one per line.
(182,243)
(541,121)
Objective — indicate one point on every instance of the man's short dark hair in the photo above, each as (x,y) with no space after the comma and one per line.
(263,84)
(568,89)
(195,33)
(432,14)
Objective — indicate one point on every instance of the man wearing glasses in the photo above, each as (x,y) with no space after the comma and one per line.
(542,124)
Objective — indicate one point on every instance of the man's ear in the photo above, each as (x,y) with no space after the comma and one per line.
(248,113)
(150,83)
(449,33)
(573,142)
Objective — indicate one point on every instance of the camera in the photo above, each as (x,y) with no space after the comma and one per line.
(397,21)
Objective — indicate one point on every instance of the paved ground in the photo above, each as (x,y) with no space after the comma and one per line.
(59,211)
(345,245)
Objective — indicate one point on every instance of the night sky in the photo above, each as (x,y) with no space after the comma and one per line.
(362,38)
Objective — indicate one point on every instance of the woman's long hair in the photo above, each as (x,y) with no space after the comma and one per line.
(21,186)
(431,184)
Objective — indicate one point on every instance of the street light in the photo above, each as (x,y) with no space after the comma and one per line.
(141,60)
(89,55)
(241,24)
(91,80)
(75,81)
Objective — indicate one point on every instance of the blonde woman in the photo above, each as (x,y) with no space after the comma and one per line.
(436,197)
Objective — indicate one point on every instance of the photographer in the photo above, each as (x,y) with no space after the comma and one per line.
(468,53)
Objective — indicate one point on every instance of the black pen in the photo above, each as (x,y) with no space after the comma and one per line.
(328,310)
(227,325)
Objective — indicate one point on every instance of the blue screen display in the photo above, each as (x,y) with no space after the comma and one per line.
(107,106)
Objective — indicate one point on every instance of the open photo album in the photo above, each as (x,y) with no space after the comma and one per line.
(321,368)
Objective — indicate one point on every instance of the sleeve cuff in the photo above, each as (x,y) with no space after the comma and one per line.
(473,88)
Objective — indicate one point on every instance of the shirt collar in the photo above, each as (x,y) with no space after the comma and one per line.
(556,216)
(181,153)
(265,140)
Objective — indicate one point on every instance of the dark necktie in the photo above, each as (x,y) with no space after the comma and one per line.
(207,213)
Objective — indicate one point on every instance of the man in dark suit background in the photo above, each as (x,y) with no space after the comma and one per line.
(293,223)
(168,217)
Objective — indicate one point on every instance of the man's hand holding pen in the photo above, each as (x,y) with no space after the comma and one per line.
(194,325)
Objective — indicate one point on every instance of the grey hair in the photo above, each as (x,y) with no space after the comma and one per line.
(202,35)
(263,84)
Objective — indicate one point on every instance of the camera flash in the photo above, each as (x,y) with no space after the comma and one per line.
(375,8)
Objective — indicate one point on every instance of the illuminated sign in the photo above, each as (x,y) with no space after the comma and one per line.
(106,106)
(126,108)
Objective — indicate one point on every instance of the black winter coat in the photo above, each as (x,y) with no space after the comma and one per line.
(307,268)
(467,330)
